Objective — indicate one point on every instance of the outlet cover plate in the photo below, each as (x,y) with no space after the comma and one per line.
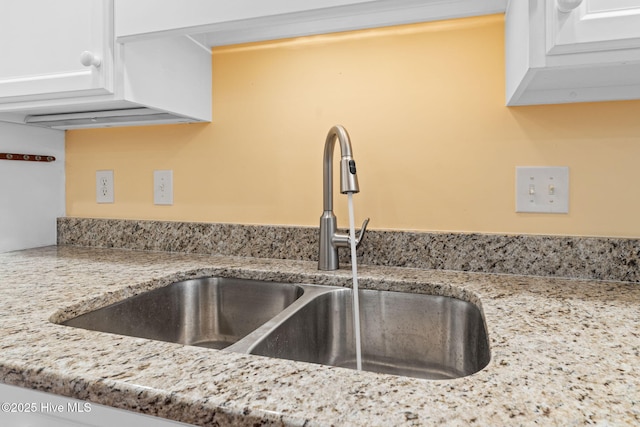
(542,189)
(163,187)
(104,186)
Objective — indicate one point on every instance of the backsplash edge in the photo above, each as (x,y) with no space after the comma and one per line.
(598,258)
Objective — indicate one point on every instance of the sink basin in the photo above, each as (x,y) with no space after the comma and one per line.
(209,312)
(423,336)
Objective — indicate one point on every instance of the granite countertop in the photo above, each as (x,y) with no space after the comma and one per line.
(562,351)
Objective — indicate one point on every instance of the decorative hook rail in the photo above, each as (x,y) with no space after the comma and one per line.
(26,157)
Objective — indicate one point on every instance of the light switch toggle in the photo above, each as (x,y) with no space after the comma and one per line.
(542,189)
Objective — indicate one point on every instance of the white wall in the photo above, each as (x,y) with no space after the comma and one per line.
(32,194)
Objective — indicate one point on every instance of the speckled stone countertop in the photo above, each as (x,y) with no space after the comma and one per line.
(564,352)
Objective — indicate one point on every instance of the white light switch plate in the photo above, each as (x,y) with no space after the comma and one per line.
(163,187)
(542,189)
(104,186)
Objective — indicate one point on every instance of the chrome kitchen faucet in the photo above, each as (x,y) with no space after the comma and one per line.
(330,238)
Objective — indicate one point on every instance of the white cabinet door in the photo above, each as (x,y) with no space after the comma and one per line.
(593,25)
(589,52)
(41,42)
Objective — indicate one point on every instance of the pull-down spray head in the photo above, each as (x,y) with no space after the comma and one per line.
(348,177)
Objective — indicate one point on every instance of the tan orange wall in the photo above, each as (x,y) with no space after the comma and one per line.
(424,105)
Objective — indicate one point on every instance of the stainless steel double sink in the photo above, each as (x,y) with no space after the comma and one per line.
(416,335)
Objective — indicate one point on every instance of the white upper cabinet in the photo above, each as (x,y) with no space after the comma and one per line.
(60,67)
(41,49)
(228,22)
(560,51)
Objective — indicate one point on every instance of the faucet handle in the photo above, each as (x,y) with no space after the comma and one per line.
(362,231)
(343,240)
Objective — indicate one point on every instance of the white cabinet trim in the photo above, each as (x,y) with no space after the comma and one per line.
(238,22)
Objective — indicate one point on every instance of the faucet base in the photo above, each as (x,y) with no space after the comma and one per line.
(328,254)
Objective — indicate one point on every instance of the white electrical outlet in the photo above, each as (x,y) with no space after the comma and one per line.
(163,187)
(542,189)
(104,186)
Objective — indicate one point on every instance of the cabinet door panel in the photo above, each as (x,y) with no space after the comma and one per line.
(595,25)
(40,45)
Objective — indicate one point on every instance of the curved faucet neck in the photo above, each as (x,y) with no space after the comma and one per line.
(340,133)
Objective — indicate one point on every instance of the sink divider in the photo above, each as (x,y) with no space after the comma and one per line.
(247,343)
